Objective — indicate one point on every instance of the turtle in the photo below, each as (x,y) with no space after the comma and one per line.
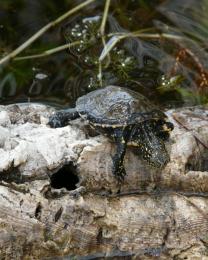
(128,118)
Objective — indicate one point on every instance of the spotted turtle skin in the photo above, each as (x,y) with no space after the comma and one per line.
(128,118)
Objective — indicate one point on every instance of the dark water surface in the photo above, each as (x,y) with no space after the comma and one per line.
(169,71)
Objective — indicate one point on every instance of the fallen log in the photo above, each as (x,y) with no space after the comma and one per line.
(58,196)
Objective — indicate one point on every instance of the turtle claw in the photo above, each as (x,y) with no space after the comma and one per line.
(55,120)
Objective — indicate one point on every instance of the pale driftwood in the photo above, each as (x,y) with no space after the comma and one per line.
(157,213)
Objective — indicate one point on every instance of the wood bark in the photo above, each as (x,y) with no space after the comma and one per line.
(59,199)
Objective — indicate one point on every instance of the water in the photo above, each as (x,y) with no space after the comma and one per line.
(170,70)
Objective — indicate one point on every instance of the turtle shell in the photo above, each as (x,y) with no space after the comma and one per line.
(114,105)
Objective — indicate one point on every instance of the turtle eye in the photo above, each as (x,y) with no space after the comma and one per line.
(169,126)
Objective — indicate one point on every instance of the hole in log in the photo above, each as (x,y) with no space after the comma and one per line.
(38,211)
(100,236)
(11,175)
(65,178)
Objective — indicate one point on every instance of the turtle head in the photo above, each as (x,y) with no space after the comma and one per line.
(162,128)
(151,147)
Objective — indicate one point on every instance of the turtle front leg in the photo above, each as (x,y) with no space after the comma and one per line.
(62,117)
(121,136)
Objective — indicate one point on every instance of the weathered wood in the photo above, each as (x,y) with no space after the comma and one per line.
(158,213)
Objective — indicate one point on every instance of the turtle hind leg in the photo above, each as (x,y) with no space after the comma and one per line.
(62,117)
(121,136)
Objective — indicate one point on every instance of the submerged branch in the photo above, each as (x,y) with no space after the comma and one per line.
(48,52)
(102,32)
(14,53)
(116,37)
(105,15)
